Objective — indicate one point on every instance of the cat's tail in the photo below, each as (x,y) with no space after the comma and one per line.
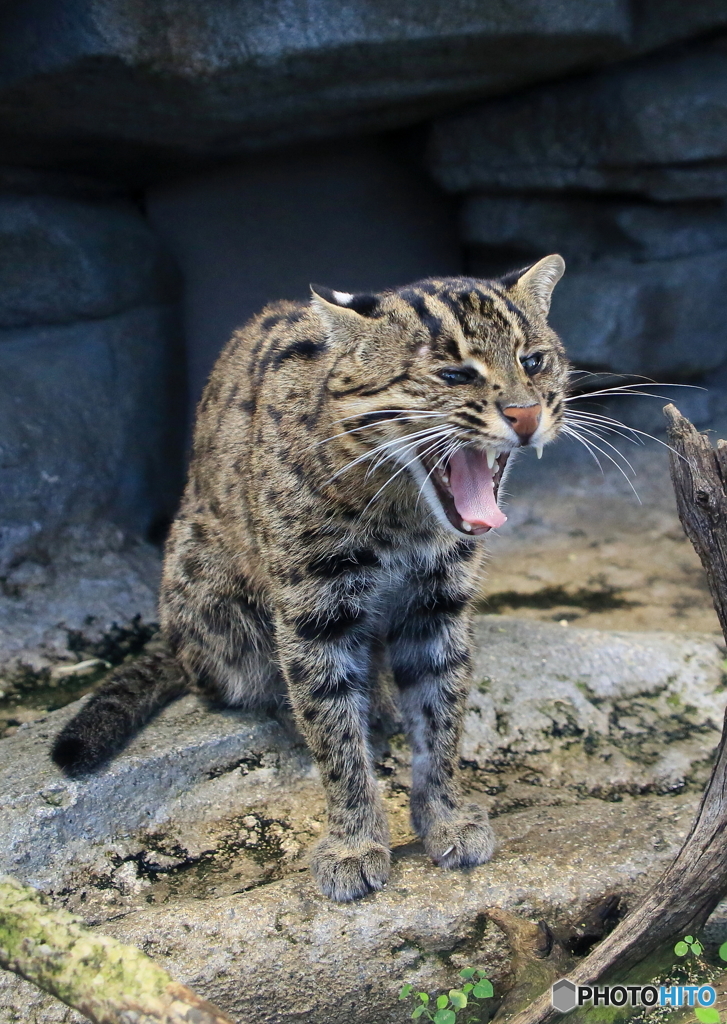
(126,699)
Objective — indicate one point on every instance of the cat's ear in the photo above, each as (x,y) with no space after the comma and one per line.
(343,313)
(538,281)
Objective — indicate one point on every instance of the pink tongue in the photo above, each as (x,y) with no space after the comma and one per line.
(470,480)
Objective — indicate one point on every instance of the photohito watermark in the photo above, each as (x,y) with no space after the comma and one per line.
(565,996)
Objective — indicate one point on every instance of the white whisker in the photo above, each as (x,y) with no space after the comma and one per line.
(607,419)
(406,465)
(592,444)
(603,423)
(405,451)
(451,449)
(628,389)
(376,423)
(569,432)
(420,435)
(592,433)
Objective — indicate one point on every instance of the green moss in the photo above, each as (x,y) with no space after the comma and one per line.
(53,950)
(591,599)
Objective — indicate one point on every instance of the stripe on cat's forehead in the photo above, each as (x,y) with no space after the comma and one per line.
(473,305)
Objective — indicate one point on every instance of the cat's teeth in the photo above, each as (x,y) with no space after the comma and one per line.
(466,526)
(539,450)
(491,457)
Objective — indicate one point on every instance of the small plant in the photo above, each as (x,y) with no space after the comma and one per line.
(707,1015)
(476,986)
(689,945)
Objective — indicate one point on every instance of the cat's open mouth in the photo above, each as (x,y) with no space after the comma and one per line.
(467,487)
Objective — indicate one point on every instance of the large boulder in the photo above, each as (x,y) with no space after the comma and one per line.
(644,288)
(656,127)
(90,370)
(120,86)
(115,84)
(590,749)
(85,425)
(63,260)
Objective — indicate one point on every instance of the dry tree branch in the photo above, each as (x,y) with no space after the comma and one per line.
(695,882)
(107,981)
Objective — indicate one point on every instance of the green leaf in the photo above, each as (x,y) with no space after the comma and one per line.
(483,989)
(417,1013)
(444,1017)
(697,947)
(467,972)
(681,949)
(688,939)
(424,997)
(723,951)
(707,1015)
(482,974)
(457,998)
(442,1001)
(405,990)
(468,987)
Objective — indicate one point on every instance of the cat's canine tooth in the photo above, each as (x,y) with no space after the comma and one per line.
(539,450)
(466,526)
(491,457)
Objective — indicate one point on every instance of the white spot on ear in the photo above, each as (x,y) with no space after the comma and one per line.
(342,298)
(423,350)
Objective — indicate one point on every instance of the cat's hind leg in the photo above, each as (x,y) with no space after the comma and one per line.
(224,641)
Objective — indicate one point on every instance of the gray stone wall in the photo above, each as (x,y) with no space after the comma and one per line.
(90,358)
(242,142)
(624,171)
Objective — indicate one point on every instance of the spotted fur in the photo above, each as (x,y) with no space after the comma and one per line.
(310,537)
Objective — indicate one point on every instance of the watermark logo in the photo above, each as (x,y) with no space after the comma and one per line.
(565,996)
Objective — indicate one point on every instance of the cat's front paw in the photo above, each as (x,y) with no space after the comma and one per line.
(461,842)
(346,872)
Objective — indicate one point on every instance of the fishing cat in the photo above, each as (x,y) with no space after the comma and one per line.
(346,464)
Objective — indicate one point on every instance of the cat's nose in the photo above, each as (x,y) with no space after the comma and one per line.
(523,419)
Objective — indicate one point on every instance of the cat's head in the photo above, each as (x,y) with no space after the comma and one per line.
(447,377)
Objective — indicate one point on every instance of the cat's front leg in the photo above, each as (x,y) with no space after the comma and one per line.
(325,656)
(429,647)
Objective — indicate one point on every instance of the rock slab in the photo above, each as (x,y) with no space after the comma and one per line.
(653,127)
(589,748)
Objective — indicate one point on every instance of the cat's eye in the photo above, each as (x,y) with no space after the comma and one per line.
(532,364)
(458,375)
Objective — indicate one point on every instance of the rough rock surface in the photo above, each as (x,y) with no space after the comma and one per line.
(654,127)
(589,748)
(115,84)
(627,302)
(90,370)
(646,318)
(108,82)
(86,424)
(64,260)
(586,229)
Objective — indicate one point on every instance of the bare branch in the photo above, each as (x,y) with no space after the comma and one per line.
(692,886)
